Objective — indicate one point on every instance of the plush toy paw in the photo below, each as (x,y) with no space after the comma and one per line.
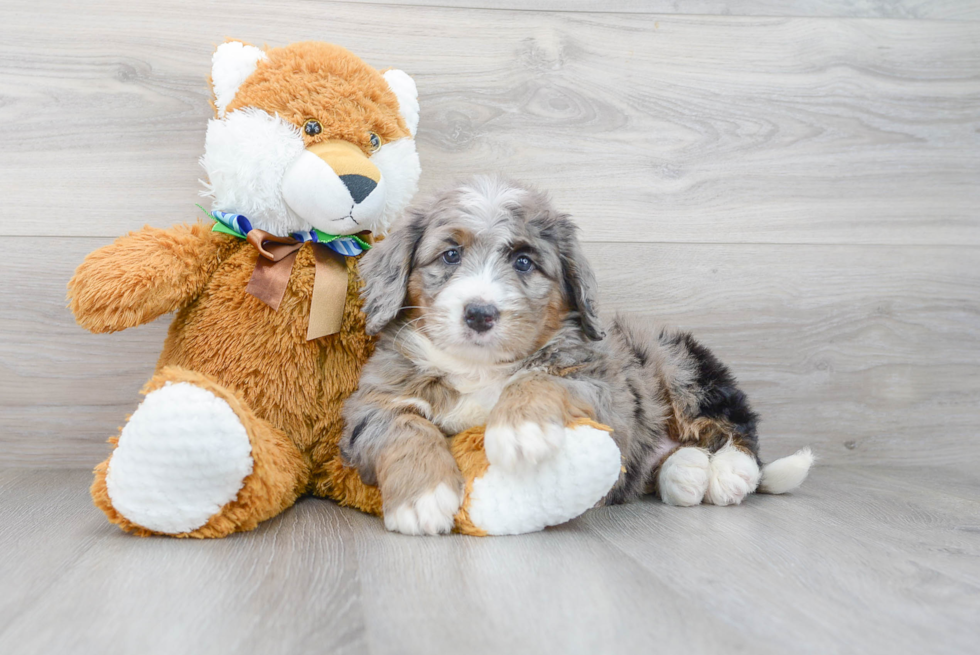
(522,446)
(734,475)
(502,500)
(430,513)
(684,477)
(182,456)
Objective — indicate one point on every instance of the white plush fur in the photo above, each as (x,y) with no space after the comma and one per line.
(400,169)
(522,446)
(408,97)
(182,456)
(231,64)
(684,477)
(246,155)
(577,477)
(734,475)
(315,193)
(787,473)
(431,513)
(255,162)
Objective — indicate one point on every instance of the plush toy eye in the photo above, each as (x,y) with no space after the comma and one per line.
(451,256)
(375,142)
(312,128)
(523,264)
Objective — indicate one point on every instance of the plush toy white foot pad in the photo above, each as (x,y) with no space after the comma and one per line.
(578,476)
(183,455)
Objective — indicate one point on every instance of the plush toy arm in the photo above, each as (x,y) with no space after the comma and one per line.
(143,275)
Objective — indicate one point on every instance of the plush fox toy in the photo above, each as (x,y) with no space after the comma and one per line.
(311,154)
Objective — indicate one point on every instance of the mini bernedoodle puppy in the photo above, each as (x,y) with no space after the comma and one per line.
(485,307)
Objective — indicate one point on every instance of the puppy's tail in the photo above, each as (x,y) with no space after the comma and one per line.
(786,473)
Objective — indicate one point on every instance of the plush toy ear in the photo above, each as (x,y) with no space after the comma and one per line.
(231,64)
(408,96)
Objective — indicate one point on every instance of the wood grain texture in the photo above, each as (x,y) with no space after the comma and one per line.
(646,127)
(809,572)
(115,594)
(900,9)
(869,354)
(857,561)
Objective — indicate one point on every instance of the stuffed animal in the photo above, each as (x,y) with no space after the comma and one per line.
(310,156)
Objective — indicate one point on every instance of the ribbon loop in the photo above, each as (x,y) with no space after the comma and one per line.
(274,266)
(271,275)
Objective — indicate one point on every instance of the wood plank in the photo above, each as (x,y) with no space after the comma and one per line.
(900,9)
(849,563)
(296,574)
(868,354)
(647,127)
(562,591)
(48,524)
(331,580)
(856,560)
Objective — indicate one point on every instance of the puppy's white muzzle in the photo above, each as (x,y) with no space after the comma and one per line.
(335,187)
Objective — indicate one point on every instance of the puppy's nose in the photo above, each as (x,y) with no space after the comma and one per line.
(480,317)
(360,186)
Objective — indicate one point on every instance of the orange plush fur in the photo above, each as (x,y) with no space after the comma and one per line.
(286,391)
(325,82)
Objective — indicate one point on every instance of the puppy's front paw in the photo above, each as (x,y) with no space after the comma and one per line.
(432,512)
(524,445)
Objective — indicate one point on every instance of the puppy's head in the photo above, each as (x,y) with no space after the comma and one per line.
(487,270)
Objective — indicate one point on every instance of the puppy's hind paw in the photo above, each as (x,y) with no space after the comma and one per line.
(684,477)
(522,446)
(431,513)
(734,475)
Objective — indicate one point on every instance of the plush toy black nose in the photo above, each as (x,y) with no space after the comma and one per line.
(480,317)
(360,186)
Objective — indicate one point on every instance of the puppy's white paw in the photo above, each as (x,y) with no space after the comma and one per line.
(734,475)
(431,513)
(684,477)
(523,446)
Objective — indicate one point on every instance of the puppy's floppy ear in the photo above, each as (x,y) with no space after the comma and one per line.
(385,270)
(579,280)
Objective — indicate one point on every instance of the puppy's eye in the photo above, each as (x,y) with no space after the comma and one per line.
(451,256)
(375,142)
(312,128)
(523,264)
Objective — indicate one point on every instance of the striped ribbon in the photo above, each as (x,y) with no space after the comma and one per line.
(239,226)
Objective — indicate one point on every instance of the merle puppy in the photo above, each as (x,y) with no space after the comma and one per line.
(485,306)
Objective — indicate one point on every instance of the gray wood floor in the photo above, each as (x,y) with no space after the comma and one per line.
(796,181)
(860,560)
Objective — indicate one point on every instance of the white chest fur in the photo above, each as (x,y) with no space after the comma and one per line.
(473,406)
(478,385)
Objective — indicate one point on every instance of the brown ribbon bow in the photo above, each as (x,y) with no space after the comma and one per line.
(275,265)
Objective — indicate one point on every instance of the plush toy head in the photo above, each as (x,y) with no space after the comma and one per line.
(307,137)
